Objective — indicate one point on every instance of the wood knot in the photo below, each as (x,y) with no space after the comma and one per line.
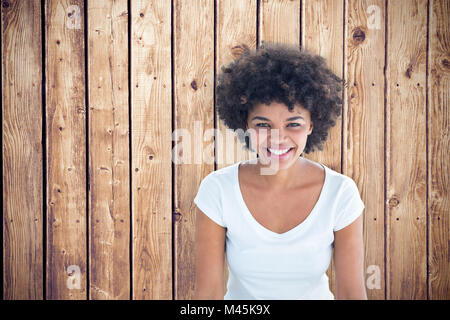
(80,110)
(236,51)
(446,63)
(194,85)
(408,71)
(393,202)
(177,216)
(5,4)
(359,35)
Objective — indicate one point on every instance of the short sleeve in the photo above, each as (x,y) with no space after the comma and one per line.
(351,206)
(208,199)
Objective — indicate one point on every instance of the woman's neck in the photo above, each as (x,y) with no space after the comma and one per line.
(281,179)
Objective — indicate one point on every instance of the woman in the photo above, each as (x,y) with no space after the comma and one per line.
(278,229)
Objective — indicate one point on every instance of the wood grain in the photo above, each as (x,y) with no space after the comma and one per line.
(109,206)
(22,150)
(66,150)
(279,21)
(393,139)
(439,145)
(194,112)
(363,135)
(322,34)
(406,184)
(151,127)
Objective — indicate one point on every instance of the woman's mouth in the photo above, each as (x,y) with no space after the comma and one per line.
(279,154)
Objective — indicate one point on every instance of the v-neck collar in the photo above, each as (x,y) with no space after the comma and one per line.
(263,229)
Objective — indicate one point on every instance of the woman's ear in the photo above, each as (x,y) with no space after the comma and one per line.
(310,128)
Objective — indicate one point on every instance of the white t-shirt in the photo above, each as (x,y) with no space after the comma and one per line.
(266,265)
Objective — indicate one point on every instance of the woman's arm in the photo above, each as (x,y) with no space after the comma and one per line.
(349,262)
(209,258)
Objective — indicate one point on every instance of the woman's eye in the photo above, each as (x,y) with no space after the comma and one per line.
(265,124)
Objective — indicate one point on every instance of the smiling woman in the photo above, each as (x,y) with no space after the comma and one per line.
(283,74)
(278,227)
(278,136)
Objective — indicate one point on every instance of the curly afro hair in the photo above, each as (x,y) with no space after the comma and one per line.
(285,74)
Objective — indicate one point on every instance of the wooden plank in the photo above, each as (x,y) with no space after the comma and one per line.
(236,30)
(322,34)
(194,112)
(406,150)
(151,120)
(66,149)
(22,150)
(109,206)
(363,132)
(279,21)
(439,144)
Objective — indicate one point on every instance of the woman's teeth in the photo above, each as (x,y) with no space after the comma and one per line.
(278,152)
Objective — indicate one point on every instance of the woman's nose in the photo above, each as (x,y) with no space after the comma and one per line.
(277,135)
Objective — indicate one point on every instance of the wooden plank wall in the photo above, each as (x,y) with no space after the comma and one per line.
(151,137)
(22,156)
(96,95)
(109,160)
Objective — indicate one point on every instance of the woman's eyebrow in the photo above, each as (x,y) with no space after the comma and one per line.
(288,119)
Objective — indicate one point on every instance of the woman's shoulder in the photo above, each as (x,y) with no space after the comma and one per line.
(341,185)
(336,180)
(223,175)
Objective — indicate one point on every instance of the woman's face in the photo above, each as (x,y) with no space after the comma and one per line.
(278,129)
